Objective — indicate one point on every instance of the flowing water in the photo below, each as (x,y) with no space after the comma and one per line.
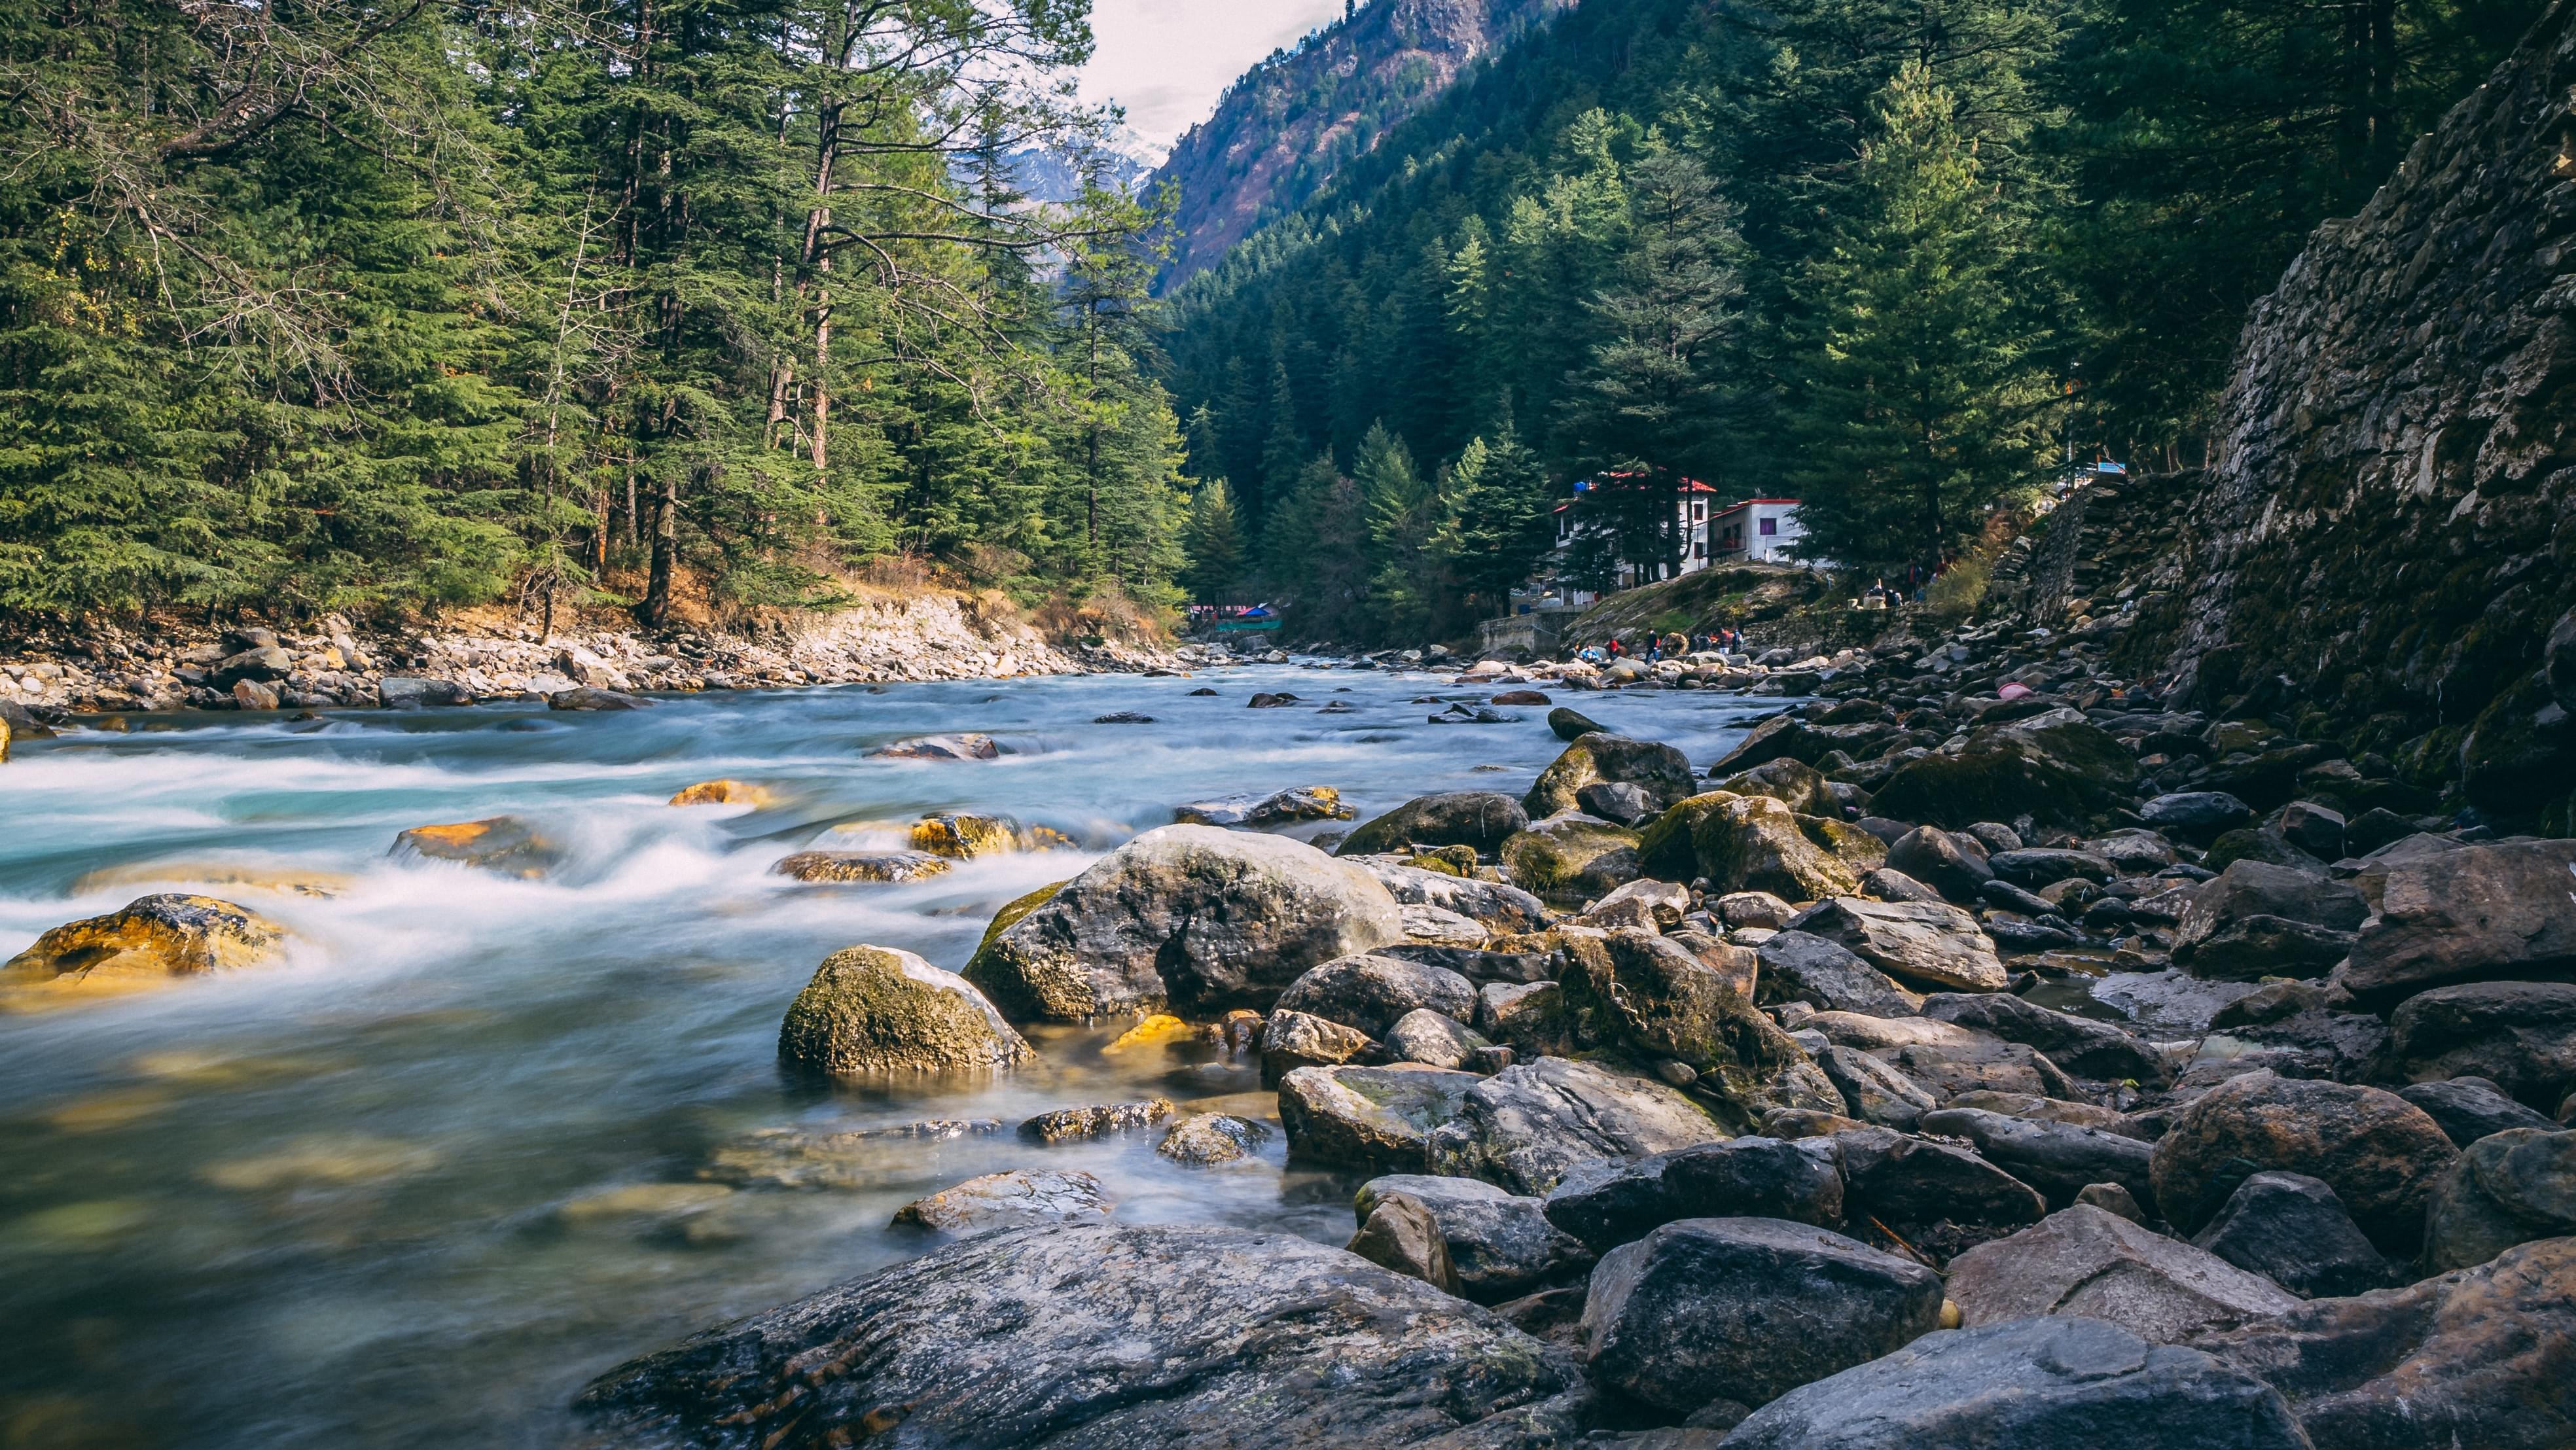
(480,1138)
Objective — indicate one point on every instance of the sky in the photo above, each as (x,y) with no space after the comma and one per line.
(1166,61)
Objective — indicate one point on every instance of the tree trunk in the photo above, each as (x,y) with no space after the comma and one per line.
(657,591)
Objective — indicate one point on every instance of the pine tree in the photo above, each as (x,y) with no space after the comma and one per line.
(1213,544)
(1924,406)
(1402,509)
(1497,518)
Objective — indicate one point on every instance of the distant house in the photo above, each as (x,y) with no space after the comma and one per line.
(1758,530)
(1691,508)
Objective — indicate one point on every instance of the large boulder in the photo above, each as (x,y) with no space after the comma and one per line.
(1527,1126)
(1746,1309)
(1664,772)
(1572,855)
(1952,863)
(1045,1338)
(2520,1036)
(2088,1262)
(2059,1159)
(2481,1357)
(1479,819)
(1928,943)
(2080,1045)
(1616,1201)
(146,942)
(2380,1153)
(2508,1188)
(2292,1230)
(1500,1245)
(1906,1181)
(1799,967)
(1800,786)
(873,1011)
(2030,1384)
(2260,920)
(2052,768)
(1755,843)
(1368,1117)
(1650,996)
(1372,993)
(2501,912)
(1195,917)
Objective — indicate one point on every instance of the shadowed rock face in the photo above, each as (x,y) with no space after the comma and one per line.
(1088,1335)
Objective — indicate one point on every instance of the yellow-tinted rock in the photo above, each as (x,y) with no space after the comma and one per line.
(286,880)
(148,942)
(964,837)
(1154,1031)
(872,1010)
(505,844)
(722,793)
(889,866)
(109,1110)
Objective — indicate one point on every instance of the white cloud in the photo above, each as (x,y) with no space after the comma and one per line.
(1167,61)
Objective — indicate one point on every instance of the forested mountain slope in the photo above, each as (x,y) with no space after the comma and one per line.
(1289,124)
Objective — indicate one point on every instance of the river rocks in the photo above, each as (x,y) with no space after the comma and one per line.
(2080,1045)
(1500,1245)
(1800,967)
(1912,1181)
(721,793)
(1646,993)
(1279,808)
(1490,904)
(2051,770)
(2469,1108)
(1015,1199)
(942,747)
(2259,920)
(402,692)
(2508,1188)
(2481,1357)
(2030,1384)
(1196,917)
(1372,992)
(1401,1234)
(962,837)
(1951,864)
(1374,1117)
(2059,1159)
(1981,1065)
(1646,905)
(1571,855)
(871,1011)
(888,867)
(1612,1202)
(1795,784)
(1755,843)
(1619,802)
(1034,1338)
(1571,725)
(1921,942)
(2035,867)
(2499,912)
(2379,1153)
(1660,769)
(1529,1016)
(2087,1262)
(1525,1127)
(1873,1091)
(1205,1139)
(2521,1036)
(584,698)
(1433,1040)
(2197,816)
(1746,1309)
(1476,818)
(146,942)
(2292,1230)
(506,845)
(1291,1040)
(1096,1120)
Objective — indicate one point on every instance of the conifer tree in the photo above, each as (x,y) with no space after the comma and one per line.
(1213,544)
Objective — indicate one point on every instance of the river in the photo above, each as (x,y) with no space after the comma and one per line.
(480,1138)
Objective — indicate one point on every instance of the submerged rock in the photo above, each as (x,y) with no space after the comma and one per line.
(1096,1120)
(1036,1338)
(892,867)
(504,844)
(943,747)
(1279,808)
(1014,1199)
(721,793)
(873,1010)
(144,943)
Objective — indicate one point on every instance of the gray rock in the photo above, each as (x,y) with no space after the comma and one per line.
(1016,1199)
(2521,1036)
(1621,801)
(2261,920)
(2502,912)
(1498,906)
(2112,1198)
(2086,1262)
(1886,885)
(2508,1188)
(2081,1046)
(1432,1039)
(2030,1384)
(1873,1091)
(1400,1233)
(1095,1120)
(876,1011)
(1480,819)
(1746,1309)
(2058,1159)
(1196,917)
(1986,1065)
(1035,1338)
(404,693)
(1372,992)
(1529,1016)
(1572,856)
(2470,1108)
(1291,1040)
(2035,867)
(1663,772)
(1500,1245)
(2380,1153)
(1931,944)
(2197,816)
(1952,864)
(2315,829)
(586,698)
(1210,1138)
(1909,1181)
(1649,996)
(1370,1117)
(1799,967)
(1613,1202)
(1527,1126)
(2292,1230)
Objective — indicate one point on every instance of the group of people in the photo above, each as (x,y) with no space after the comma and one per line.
(1666,646)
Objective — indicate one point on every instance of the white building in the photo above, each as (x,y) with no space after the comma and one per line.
(1758,530)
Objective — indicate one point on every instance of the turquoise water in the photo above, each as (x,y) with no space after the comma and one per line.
(478,1139)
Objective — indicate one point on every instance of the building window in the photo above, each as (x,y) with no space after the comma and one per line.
(1770,527)
(1699,510)
(1699,550)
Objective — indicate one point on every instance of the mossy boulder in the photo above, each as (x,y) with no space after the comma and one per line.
(1478,819)
(147,942)
(875,1011)
(1571,855)
(1664,847)
(962,837)
(1756,843)
(1012,910)
(2054,768)
(1800,785)
(1664,772)
(1647,996)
